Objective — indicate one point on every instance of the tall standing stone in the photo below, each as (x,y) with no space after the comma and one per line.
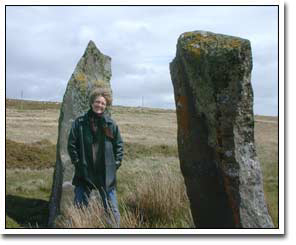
(93,70)
(211,76)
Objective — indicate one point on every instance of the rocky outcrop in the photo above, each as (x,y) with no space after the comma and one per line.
(93,70)
(211,75)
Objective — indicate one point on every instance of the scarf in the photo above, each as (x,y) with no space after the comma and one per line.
(98,120)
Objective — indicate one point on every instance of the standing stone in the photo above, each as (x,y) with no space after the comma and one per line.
(93,70)
(211,76)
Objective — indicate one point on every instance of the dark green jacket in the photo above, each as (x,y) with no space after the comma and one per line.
(80,151)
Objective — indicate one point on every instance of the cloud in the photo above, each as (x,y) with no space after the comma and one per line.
(44,44)
(130,26)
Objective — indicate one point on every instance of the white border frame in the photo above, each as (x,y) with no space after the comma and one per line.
(281,106)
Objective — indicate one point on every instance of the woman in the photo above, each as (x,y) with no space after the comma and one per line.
(96,150)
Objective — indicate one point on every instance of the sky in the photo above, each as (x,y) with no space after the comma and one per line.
(44,44)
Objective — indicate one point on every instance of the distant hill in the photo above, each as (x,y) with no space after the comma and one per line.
(31,105)
(43,105)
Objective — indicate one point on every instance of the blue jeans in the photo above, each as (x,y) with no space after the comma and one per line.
(109,201)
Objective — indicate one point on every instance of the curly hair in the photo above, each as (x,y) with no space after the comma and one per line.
(100,92)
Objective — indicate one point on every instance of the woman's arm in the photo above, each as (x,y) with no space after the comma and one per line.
(117,146)
(73,145)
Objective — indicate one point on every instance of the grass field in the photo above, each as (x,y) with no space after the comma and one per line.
(150,147)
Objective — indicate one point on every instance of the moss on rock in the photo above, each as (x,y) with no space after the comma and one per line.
(214,100)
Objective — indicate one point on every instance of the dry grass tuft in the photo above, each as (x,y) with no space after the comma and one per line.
(92,216)
(159,201)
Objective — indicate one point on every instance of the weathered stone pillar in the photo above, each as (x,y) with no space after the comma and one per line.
(93,70)
(211,75)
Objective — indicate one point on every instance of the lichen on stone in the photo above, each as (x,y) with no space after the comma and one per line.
(214,105)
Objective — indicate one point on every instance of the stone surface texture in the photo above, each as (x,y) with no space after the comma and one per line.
(93,70)
(211,75)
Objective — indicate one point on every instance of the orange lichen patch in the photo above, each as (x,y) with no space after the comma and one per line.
(183,114)
(218,138)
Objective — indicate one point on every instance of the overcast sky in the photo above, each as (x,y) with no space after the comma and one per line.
(44,44)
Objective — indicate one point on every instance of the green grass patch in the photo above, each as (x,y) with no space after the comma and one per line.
(10,223)
(269,165)
(135,150)
(27,196)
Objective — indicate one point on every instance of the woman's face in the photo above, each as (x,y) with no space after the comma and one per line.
(99,105)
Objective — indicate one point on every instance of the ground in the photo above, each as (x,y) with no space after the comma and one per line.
(150,144)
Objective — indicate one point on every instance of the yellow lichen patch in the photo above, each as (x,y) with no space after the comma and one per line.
(235,43)
(100,83)
(187,35)
(195,42)
(198,42)
(193,49)
(231,43)
(198,37)
(81,79)
(205,38)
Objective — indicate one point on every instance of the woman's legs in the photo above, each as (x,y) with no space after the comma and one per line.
(81,196)
(110,202)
